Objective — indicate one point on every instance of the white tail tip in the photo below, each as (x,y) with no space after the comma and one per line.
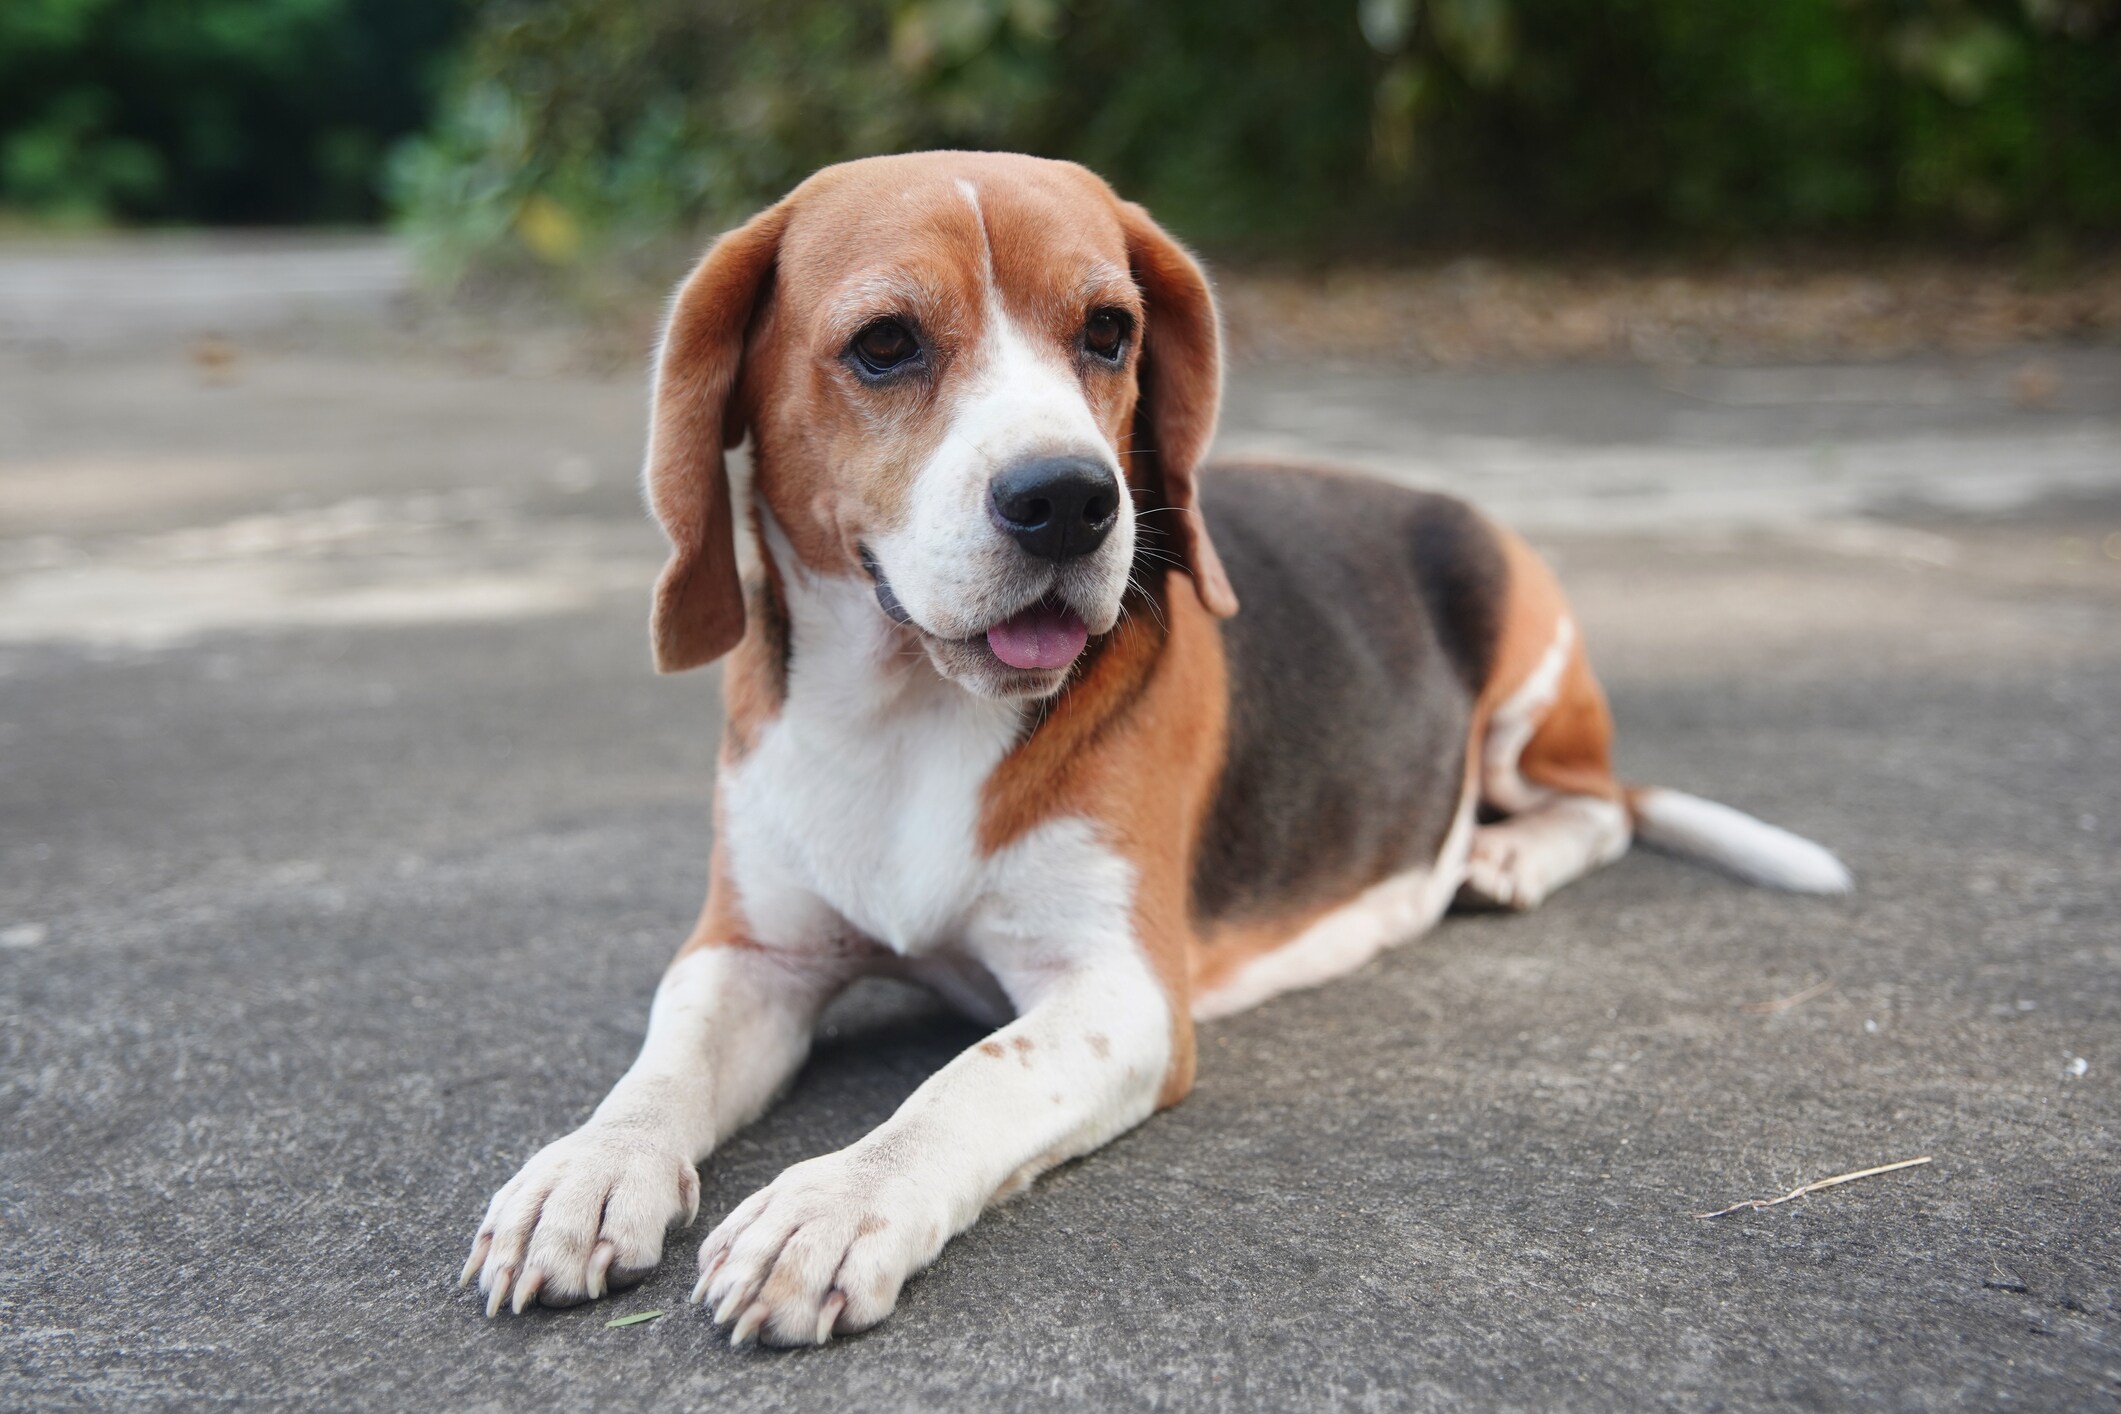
(1731,839)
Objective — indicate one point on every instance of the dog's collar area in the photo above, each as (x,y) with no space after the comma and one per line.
(885,598)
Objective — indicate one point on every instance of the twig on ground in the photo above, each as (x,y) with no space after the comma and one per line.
(1835,1181)
(1817,989)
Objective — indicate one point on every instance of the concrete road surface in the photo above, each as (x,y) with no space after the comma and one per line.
(344,832)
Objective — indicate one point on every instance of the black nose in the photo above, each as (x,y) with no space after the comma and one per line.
(1057,507)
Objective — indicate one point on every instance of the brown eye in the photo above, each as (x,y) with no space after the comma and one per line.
(1105,333)
(885,346)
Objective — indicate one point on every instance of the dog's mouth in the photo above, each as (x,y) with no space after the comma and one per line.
(1043,638)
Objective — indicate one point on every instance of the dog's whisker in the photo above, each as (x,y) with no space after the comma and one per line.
(1146,597)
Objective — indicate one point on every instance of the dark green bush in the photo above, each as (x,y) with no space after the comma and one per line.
(211,110)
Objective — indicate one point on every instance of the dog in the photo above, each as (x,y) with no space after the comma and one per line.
(995,725)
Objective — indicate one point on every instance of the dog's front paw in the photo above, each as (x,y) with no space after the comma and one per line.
(824,1248)
(585,1216)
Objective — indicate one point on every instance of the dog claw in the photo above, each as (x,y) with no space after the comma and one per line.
(499,1293)
(747,1328)
(527,1292)
(600,1269)
(476,1260)
(829,1314)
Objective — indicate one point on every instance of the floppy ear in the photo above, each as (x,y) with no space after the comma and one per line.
(1182,388)
(699,600)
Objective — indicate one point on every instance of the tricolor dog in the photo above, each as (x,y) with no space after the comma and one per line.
(996,725)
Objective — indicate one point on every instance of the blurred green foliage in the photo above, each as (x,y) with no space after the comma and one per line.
(212,110)
(572,128)
(1346,126)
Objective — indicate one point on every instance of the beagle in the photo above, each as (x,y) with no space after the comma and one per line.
(995,724)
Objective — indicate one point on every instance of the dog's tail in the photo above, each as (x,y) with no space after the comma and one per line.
(1730,839)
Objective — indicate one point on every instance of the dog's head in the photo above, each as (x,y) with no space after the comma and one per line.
(974,381)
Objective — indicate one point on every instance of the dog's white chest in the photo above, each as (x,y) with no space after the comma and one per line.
(863,797)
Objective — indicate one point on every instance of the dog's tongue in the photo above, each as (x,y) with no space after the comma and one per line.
(1042,636)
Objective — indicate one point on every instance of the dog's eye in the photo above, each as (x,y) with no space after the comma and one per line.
(884,346)
(1105,333)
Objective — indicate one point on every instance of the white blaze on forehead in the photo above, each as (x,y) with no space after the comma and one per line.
(971,195)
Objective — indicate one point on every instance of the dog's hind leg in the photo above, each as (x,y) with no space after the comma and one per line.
(1541,748)
(1544,753)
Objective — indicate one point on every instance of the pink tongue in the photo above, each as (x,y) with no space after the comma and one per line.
(1042,636)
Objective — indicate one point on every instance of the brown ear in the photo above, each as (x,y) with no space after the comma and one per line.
(699,600)
(1182,388)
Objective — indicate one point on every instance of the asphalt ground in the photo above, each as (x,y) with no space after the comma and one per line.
(344,833)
